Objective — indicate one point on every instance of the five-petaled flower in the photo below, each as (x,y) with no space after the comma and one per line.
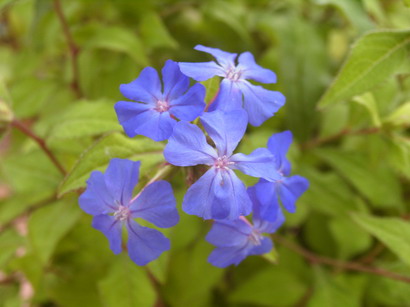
(219,193)
(286,189)
(235,91)
(155,116)
(108,198)
(235,240)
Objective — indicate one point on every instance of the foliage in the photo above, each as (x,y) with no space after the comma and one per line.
(61,64)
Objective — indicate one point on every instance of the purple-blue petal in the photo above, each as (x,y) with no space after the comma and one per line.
(229,233)
(260,163)
(225,59)
(279,144)
(265,201)
(146,88)
(189,106)
(229,97)
(290,189)
(187,146)
(226,129)
(121,177)
(111,228)
(96,199)
(155,125)
(201,71)
(132,115)
(264,247)
(222,257)
(145,244)
(218,194)
(157,205)
(175,82)
(251,70)
(260,103)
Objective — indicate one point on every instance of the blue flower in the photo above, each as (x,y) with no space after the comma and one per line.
(155,116)
(218,194)
(235,91)
(108,198)
(238,239)
(286,189)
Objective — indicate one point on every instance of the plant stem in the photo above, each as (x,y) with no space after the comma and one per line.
(352,266)
(72,46)
(23,128)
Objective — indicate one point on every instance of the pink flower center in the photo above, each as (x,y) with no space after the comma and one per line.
(162,106)
(122,213)
(233,74)
(222,163)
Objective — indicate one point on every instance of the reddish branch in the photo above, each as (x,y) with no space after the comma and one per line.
(352,266)
(73,48)
(23,128)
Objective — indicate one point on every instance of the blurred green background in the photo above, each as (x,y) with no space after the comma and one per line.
(61,64)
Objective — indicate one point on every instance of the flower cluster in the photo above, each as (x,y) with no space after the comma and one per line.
(168,110)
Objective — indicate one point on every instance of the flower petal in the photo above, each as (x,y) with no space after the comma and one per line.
(121,177)
(229,233)
(225,128)
(145,244)
(96,199)
(155,125)
(264,247)
(146,88)
(260,163)
(265,201)
(111,228)
(187,146)
(157,205)
(224,256)
(229,97)
(217,195)
(175,82)
(279,144)
(189,106)
(131,115)
(201,71)
(260,103)
(290,190)
(225,59)
(251,70)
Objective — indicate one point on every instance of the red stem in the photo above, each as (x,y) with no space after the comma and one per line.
(23,128)
(73,48)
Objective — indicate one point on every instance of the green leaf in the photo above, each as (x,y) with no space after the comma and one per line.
(365,175)
(193,287)
(154,33)
(373,58)
(114,145)
(400,116)
(126,285)
(48,225)
(341,291)
(85,119)
(121,40)
(9,242)
(212,88)
(351,239)
(392,232)
(269,285)
(367,100)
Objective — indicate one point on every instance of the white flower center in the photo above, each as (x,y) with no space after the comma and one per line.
(255,237)
(233,74)
(222,163)
(162,106)
(122,213)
